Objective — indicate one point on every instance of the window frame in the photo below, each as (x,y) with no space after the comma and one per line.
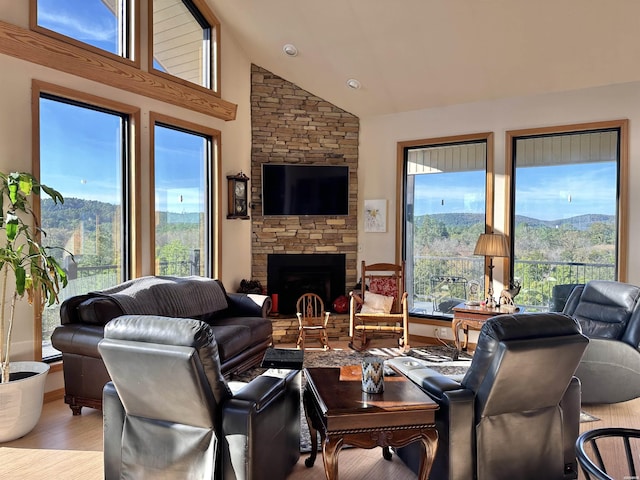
(131,164)
(401,183)
(132,29)
(213,182)
(207,16)
(622,126)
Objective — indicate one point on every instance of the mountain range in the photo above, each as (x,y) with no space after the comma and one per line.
(579,222)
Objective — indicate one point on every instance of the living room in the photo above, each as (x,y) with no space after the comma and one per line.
(602,85)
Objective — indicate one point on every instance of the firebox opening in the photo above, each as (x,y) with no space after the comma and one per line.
(291,275)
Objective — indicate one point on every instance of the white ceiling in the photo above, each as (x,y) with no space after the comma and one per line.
(416,54)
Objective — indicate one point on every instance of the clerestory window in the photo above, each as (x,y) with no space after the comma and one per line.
(185,41)
(106,25)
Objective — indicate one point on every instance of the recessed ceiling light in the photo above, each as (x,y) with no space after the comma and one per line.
(290,50)
(353,83)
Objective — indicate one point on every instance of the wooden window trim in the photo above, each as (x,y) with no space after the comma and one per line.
(213,182)
(488,138)
(52,53)
(38,88)
(134,42)
(489,187)
(214,24)
(623,180)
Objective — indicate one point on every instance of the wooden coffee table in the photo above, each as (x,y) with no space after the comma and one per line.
(470,317)
(336,406)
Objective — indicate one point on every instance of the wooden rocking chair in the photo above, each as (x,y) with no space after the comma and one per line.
(312,320)
(379,306)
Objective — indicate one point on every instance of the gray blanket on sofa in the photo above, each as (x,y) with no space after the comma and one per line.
(168,296)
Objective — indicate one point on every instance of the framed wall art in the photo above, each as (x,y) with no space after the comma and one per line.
(375,215)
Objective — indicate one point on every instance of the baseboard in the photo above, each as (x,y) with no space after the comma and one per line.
(54,395)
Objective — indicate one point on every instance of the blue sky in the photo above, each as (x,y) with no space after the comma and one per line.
(545,193)
(81,157)
(89,21)
(80,151)
(552,193)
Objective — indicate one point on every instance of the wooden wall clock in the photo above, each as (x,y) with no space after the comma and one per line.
(238,196)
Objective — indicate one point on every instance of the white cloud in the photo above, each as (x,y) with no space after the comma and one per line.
(76,27)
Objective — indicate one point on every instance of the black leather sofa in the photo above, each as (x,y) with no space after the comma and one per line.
(516,412)
(238,322)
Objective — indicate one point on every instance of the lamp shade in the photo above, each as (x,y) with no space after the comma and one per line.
(492,245)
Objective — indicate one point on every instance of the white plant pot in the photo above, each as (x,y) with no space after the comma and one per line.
(21,400)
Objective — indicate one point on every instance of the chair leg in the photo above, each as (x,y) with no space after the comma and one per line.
(325,340)
(359,340)
(300,340)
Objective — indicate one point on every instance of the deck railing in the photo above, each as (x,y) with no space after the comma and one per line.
(430,287)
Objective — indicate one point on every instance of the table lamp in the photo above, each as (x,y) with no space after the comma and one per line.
(491,245)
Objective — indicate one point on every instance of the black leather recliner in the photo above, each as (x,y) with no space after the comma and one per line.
(170,414)
(609,313)
(516,412)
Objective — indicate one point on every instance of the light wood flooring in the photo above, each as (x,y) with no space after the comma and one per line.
(70,448)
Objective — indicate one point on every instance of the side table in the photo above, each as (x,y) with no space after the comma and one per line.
(470,317)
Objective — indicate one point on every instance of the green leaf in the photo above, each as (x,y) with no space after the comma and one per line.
(20,280)
(13,192)
(25,183)
(13,222)
(54,194)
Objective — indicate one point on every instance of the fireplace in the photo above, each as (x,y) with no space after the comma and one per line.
(291,275)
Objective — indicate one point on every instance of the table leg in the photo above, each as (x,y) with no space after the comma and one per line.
(331,446)
(313,433)
(465,343)
(429,440)
(455,323)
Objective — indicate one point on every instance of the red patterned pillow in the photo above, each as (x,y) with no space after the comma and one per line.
(384,285)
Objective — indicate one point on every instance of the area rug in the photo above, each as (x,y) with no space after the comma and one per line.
(439,358)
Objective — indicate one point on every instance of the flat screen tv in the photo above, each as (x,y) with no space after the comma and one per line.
(305,189)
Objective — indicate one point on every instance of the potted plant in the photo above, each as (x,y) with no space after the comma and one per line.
(26,267)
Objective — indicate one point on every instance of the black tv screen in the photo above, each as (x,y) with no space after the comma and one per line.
(305,189)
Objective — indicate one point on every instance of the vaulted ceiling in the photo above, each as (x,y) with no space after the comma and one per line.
(416,54)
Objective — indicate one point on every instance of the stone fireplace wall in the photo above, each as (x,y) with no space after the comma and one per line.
(291,125)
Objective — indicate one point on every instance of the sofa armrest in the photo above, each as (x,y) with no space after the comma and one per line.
(113,418)
(259,415)
(249,305)
(432,382)
(69,309)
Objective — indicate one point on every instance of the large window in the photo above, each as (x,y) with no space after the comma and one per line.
(184,168)
(84,155)
(102,24)
(445,210)
(568,209)
(185,41)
